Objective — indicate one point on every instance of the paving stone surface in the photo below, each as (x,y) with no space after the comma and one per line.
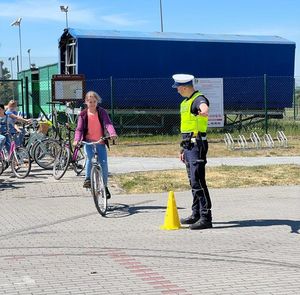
(53,241)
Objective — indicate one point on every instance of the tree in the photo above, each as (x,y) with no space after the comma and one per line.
(6,87)
(6,74)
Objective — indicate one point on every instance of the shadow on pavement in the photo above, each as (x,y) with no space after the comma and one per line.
(11,185)
(123,210)
(293,224)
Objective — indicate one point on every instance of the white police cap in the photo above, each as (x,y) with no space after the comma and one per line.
(182,80)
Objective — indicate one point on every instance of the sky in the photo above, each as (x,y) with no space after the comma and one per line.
(43,23)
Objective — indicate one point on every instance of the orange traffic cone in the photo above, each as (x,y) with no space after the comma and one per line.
(171,217)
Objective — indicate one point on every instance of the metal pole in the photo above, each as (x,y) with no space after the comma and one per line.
(67,25)
(18,67)
(29,59)
(18,23)
(265,100)
(294,97)
(161,17)
(27,97)
(22,92)
(20,45)
(11,68)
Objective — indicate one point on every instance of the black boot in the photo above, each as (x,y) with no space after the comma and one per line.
(189,220)
(87,183)
(201,224)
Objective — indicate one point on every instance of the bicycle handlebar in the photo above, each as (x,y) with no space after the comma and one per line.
(55,102)
(95,142)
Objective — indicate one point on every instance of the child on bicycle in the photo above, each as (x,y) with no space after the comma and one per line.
(12,113)
(94,123)
(6,126)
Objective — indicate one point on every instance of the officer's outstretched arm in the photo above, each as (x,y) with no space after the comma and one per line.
(203,110)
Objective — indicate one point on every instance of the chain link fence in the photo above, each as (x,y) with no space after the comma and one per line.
(295,112)
(140,106)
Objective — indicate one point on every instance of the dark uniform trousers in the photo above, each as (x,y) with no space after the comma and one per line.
(195,161)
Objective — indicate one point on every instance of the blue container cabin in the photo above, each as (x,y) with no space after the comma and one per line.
(141,65)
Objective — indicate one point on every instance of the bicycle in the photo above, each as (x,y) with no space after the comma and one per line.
(46,151)
(34,135)
(97,183)
(17,157)
(67,156)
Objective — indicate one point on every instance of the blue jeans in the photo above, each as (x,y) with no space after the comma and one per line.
(20,138)
(4,142)
(102,159)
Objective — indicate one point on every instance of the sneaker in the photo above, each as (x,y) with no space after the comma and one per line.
(201,225)
(87,183)
(79,166)
(108,195)
(189,220)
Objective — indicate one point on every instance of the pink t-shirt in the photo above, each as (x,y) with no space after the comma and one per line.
(94,127)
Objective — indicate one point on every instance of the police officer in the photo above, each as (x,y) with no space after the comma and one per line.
(194,121)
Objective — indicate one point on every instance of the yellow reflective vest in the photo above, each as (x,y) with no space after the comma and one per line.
(190,122)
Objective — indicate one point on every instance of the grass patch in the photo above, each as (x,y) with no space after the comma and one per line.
(217,177)
(217,148)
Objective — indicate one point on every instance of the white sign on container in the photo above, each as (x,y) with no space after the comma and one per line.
(212,88)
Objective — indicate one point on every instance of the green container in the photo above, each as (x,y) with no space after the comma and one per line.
(45,76)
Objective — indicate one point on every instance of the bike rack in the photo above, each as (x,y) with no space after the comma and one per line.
(242,142)
(268,140)
(283,142)
(255,140)
(229,142)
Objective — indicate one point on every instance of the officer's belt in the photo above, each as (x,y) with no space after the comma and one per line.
(187,136)
(193,139)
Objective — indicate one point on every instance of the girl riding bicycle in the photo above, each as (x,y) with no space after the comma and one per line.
(94,123)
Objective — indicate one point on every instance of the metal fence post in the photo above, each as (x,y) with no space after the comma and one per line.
(22,94)
(27,96)
(266,106)
(112,99)
(294,98)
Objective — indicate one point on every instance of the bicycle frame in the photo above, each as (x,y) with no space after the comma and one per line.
(67,155)
(98,188)
(12,149)
(6,156)
(13,159)
(95,157)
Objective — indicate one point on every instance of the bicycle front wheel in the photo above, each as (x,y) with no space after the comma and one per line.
(21,164)
(61,163)
(98,190)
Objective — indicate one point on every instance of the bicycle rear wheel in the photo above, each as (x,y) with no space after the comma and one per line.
(21,164)
(45,152)
(98,190)
(61,163)
(80,160)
